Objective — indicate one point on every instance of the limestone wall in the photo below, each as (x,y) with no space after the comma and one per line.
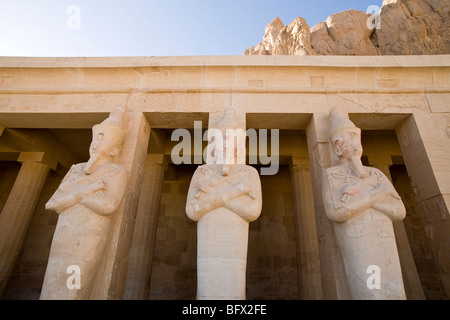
(272,261)
(174,273)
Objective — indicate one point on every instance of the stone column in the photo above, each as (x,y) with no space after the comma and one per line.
(110,281)
(424,144)
(411,280)
(19,208)
(308,261)
(137,286)
(334,281)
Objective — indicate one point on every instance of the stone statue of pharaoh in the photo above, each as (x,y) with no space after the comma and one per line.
(362,203)
(223,197)
(85,200)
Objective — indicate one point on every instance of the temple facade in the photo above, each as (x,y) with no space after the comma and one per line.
(48,107)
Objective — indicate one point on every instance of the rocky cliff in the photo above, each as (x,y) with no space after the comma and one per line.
(402,27)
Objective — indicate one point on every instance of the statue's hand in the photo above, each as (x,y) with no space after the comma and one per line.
(379,193)
(351,190)
(97,185)
(384,190)
(243,187)
(236,191)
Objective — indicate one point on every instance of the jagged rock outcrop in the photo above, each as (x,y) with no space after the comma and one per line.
(293,39)
(344,33)
(406,27)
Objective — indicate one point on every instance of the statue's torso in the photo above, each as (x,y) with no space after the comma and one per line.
(367,239)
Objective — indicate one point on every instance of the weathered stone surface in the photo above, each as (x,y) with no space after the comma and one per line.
(414,27)
(223,197)
(381,94)
(322,40)
(347,34)
(85,200)
(406,27)
(362,203)
(279,39)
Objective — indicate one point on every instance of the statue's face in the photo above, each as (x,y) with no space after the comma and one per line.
(102,145)
(348,144)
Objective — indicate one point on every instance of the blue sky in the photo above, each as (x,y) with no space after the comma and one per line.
(150,28)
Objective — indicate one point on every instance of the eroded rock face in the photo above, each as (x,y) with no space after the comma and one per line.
(279,39)
(406,27)
(414,27)
(347,33)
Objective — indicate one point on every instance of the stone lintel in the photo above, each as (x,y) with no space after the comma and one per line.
(303,162)
(40,157)
(225,60)
(40,142)
(380,159)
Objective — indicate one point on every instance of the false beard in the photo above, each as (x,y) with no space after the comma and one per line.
(358,167)
(91,165)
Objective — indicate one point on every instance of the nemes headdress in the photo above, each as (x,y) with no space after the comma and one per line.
(338,122)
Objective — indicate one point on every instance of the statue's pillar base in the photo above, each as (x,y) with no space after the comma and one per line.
(221,256)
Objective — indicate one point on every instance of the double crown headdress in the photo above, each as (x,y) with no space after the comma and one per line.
(114,124)
(338,122)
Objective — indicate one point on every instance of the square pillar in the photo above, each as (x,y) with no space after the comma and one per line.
(19,208)
(308,261)
(426,152)
(110,281)
(334,280)
(144,236)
